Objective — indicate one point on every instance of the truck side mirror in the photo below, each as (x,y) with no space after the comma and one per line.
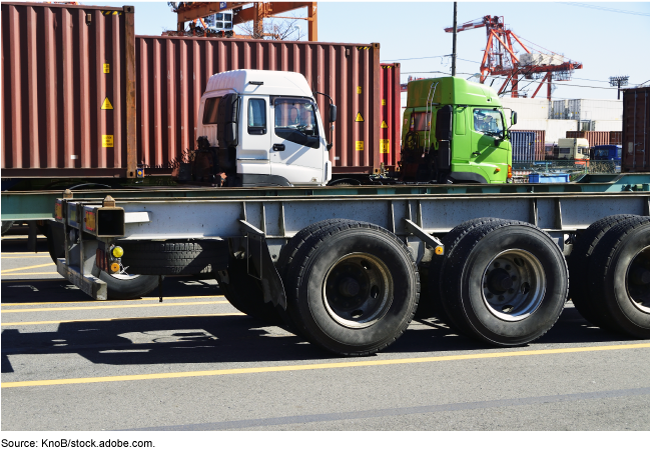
(332,113)
(513,118)
(444,123)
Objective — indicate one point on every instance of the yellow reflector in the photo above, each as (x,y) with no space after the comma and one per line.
(118,252)
(115,267)
(440,250)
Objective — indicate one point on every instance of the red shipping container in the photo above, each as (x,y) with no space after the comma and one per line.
(593,137)
(615,137)
(636,130)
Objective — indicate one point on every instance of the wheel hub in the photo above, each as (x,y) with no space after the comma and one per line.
(358,290)
(514,285)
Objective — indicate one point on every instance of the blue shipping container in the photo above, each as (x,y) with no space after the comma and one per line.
(523,145)
(548,178)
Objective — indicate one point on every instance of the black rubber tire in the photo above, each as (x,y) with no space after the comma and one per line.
(321,257)
(135,286)
(578,262)
(288,252)
(623,248)
(6,226)
(465,279)
(244,292)
(174,256)
(432,305)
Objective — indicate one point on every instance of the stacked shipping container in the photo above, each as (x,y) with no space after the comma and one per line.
(69,106)
(636,130)
(594,137)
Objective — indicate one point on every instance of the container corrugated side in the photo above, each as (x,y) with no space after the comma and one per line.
(539,153)
(594,137)
(61,67)
(391,115)
(173,72)
(616,137)
(523,145)
(636,130)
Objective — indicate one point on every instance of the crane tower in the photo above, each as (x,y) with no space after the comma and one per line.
(502,58)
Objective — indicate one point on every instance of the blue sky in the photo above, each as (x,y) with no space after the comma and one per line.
(607,38)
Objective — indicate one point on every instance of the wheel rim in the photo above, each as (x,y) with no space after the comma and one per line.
(638,280)
(123,276)
(358,290)
(514,285)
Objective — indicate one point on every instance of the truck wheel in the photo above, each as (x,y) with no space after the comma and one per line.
(287,253)
(620,277)
(579,266)
(506,282)
(245,293)
(6,226)
(127,287)
(174,256)
(432,306)
(352,287)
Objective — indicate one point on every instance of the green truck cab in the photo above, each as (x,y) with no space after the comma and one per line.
(454,131)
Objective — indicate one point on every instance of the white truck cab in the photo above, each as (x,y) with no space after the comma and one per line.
(573,148)
(265,128)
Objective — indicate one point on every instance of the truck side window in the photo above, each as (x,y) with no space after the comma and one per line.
(488,122)
(210,110)
(295,121)
(256,116)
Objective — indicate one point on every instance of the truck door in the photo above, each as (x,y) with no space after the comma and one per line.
(487,134)
(296,151)
(253,152)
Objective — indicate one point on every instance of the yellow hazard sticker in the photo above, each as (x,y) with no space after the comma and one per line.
(106,104)
(107,68)
(384,145)
(384,124)
(359,118)
(107,140)
(383,102)
(358,89)
(358,146)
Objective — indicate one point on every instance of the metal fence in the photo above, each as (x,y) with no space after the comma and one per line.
(522,169)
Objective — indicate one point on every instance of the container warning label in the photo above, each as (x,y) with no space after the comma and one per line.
(358,89)
(106,104)
(384,145)
(107,68)
(384,124)
(383,102)
(107,140)
(358,146)
(359,118)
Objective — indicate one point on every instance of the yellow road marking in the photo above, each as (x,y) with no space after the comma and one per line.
(25,268)
(32,273)
(79,308)
(49,322)
(25,257)
(112,301)
(204,373)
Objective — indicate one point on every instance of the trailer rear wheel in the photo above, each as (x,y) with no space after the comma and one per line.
(245,293)
(128,287)
(620,284)
(432,306)
(505,282)
(579,266)
(353,288)
(6,226)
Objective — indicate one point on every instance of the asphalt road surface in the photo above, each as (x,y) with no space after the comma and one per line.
(194,363)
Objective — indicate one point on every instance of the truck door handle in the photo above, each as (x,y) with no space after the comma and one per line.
(278,147)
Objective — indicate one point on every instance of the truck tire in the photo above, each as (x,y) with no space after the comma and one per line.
(432,305)
(245,292)
(620,281)
(174,256)
(579,266)
(352,287)
(287,253)
(128,287)
(506,282)
(6,226)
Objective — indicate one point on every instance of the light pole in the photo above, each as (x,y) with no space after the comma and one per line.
(618,81)
(453,51)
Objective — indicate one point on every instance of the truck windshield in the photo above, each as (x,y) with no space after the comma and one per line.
(295,121)
(488,122)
